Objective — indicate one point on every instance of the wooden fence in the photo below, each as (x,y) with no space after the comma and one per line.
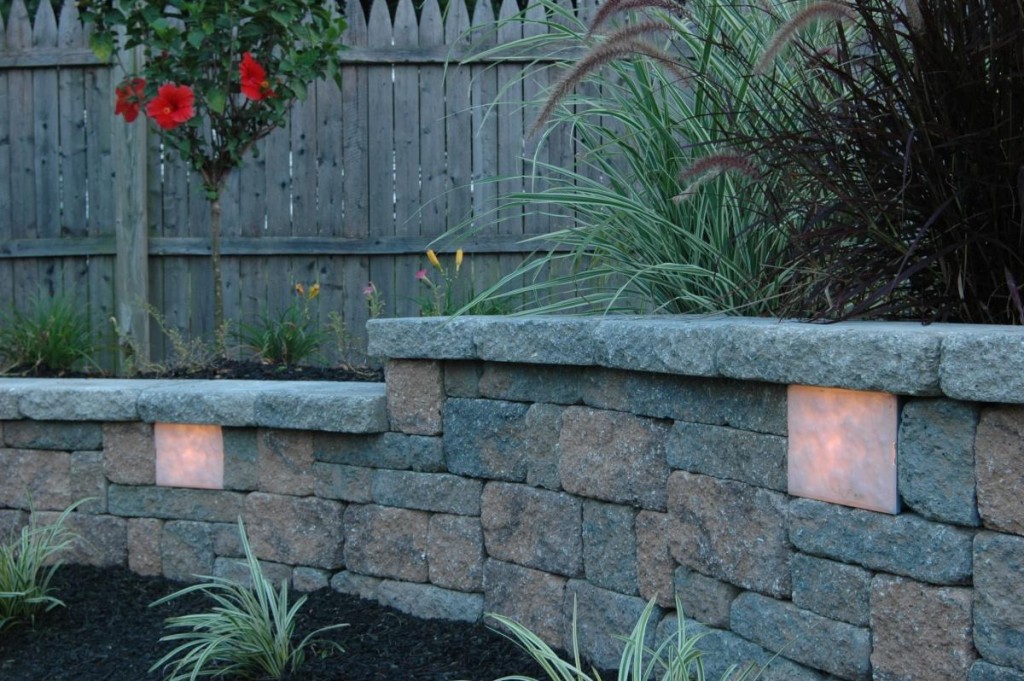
(352,191)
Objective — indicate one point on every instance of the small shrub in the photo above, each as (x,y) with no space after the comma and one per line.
(52,336)
(27,564)
(247,634)
(288,338)
(675,659)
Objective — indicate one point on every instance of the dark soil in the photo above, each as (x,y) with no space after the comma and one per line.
(233,369)
(107,632)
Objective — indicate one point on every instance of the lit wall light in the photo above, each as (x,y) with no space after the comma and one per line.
(842,447)
(189,455)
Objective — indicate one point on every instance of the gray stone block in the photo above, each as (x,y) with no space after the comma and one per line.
(227,403)
(241,458)
(11,523)
(818,642)
(536,340)
(415,393)
(307,579)
(285,462)
(999,599)
(655,566)
(999,460)
(486,438)
(984,671)
(387,542)
(905,545)
(754,458)
(389,450)
(424,337)
(345,483)
(835,590)
(129,451)
(237,570)
(533,527)
(295,530)
(757,407)
(530,597)
(602,618)
(935,459)
(186,550)
(613,457)
(355,584)
(144,536)
(676,345)
(462,378)
(705,599)
(175,503)
(894,357)
(919,631)
(76,399)
(100,540)
(609,547)
(531,383)
(39,480)
(88,481)
(335,407)
(544,423)
(455,552)
(431,602)
(983,364)
(731,531)
(438,492)
(56,435)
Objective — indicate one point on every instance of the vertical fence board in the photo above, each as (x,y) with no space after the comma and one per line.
(381,148)
(22,136)
(303,166)
(458,120)
(431,133)
(407,150)
(6,266)
(535,83)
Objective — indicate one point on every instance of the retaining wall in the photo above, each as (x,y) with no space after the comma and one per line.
(523,465)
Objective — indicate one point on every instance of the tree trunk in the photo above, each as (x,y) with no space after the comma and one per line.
(219,330)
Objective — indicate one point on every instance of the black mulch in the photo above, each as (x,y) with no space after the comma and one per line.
(233,369)
(107,632)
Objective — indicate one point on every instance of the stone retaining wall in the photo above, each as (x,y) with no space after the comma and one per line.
(524,466)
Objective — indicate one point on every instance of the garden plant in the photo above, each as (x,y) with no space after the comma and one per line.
(52,336)
(289,338)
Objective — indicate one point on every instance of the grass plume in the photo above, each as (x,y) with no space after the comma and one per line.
(793,26)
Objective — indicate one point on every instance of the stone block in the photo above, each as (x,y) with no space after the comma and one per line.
(285,462)
(602,618)
(935,459)
(919,631)
(237,570)
(387,542)
(241,458)
(546,339)
(609,547)
(227,541)
(11,523)
(486,438)
(705,599)
(431,602)
(654,563)
(757,407)
(88,481)
(175,503)
(415,395)
(754,458)
(533,527)
(186,550)
(999,599)
(129,452)
(544,423)
(984,671)
(613,456)
(321,405)
(818,642)
(345,483)
(531,383)
(71,399)
(144,546)
(835,590)
(438,492)
(905,545)
(731,531)
(462,378)
(56,435)
(722,649)
(674,345)
(530,597)
(423,337)
(295,530)
(999,459)
(99,540)
(983,364)
(355,584)
(308,580)
(389,450)
(455,552)
(35,479)
(228,403)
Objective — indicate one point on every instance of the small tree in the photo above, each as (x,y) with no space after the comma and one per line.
(216,77)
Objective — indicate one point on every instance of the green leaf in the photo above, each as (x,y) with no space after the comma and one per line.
(217,100)
(195,38)
(102,45)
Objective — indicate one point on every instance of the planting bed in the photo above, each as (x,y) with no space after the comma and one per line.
(107,631)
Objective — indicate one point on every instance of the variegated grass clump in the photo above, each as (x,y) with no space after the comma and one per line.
(247,634)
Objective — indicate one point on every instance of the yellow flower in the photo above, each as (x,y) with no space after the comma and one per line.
(314,290)
(300,289)
(458,259)
(432,257)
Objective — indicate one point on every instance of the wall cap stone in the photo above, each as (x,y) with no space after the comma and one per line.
(961,361)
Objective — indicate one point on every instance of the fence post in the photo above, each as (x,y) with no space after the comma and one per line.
(131,269)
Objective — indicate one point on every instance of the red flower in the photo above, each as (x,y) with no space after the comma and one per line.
(255,84)
(172,106)
(129,98)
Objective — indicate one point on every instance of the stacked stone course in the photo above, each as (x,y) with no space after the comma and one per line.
(545,479)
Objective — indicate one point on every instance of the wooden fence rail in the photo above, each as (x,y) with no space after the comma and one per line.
(353,190)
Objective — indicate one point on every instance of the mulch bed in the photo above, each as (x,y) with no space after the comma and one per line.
(233,369)
(107,632)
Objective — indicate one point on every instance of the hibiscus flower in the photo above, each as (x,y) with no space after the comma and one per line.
(172,106)
(129,98)
(255,84)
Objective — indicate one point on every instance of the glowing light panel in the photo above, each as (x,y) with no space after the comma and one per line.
(842,447)
(189,455)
